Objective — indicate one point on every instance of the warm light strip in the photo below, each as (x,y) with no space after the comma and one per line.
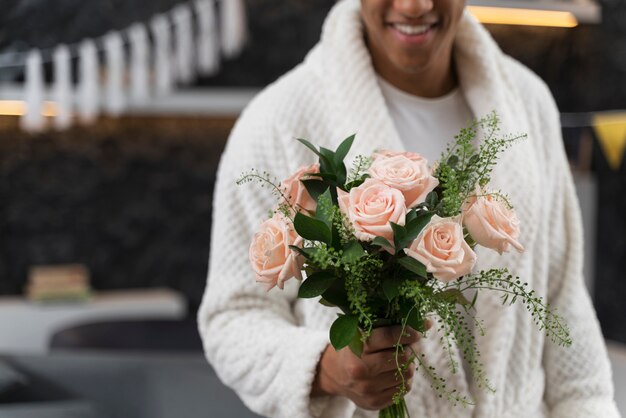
(530,17)
(18,108)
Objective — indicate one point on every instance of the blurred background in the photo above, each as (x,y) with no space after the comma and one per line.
(113,116)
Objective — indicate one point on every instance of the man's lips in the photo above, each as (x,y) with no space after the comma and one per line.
(413,33)
(412,29)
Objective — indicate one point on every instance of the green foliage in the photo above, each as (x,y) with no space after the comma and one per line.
(403,236)
(325,209)
(513,290)
(352,252)
(343,149)
(382,242)
(312,229)
(391,287)
(265,179)
(376,284)
(332,168)
(358,173)
(315,187)
(343,330)
(316,284)
(413,266)
(356,344)
(463,166)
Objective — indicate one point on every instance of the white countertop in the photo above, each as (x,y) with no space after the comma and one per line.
(26,327)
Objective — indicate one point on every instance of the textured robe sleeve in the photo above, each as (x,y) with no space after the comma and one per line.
(251,337)
(578,378)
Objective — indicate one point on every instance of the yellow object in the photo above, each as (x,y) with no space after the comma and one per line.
(18,108)
(610,129)
(529,17)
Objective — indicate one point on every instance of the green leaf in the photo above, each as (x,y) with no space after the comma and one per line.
(330,154)
(342,173)
(343,149)
(342,331)
(315,187)
(399,233)
(312,229)
(340,154)
(310,252)
(453,161)
(413,265)
(356,344)
(412,214)
(414,228)
(355,183)
(382,322)
(415,321)
(324,210)
(411,314)
(453,296)
(298,250)
(329,177)
(324,161)
(336,294)
(474,299)
(403,274)
(473,159)
(382,242)
(352,252)
(328,163)
(308,145)
(432,199)
(326,303)
(316,284)
(404,236)
(391,287)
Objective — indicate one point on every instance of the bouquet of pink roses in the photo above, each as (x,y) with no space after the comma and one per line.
(391,243)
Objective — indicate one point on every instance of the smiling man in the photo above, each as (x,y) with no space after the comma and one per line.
(413,40)
(404,75)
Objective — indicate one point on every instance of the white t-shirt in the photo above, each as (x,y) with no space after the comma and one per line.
(426,126)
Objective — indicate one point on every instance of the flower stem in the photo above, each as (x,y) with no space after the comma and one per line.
(395,410)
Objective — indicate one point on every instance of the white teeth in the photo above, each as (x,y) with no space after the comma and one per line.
(411,29)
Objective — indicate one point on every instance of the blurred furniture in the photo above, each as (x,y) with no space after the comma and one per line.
(142,385)
(106,385)
(131,335)
(617,353)
(130,198)
(28,327)
(587,191)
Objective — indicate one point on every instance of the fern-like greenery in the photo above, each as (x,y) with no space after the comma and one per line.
(464,165)
(375,284)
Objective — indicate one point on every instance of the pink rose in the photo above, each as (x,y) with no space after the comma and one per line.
(272,260)
(384,153)
(491,222)
(370,207)
(411,177)
(295,192)
(442,249)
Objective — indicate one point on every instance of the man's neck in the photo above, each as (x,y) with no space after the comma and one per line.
(429,83)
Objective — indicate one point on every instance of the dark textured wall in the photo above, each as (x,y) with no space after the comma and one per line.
(610,277)
(130,198)
(585,66)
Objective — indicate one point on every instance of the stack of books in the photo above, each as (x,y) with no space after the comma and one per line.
(58,283)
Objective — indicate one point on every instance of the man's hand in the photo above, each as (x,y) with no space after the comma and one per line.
(372,380)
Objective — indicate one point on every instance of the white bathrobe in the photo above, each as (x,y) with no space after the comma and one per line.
(266,345)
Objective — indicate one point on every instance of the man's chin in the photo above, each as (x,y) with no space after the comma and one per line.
(413,67)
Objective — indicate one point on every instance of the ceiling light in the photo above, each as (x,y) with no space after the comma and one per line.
(529,17)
